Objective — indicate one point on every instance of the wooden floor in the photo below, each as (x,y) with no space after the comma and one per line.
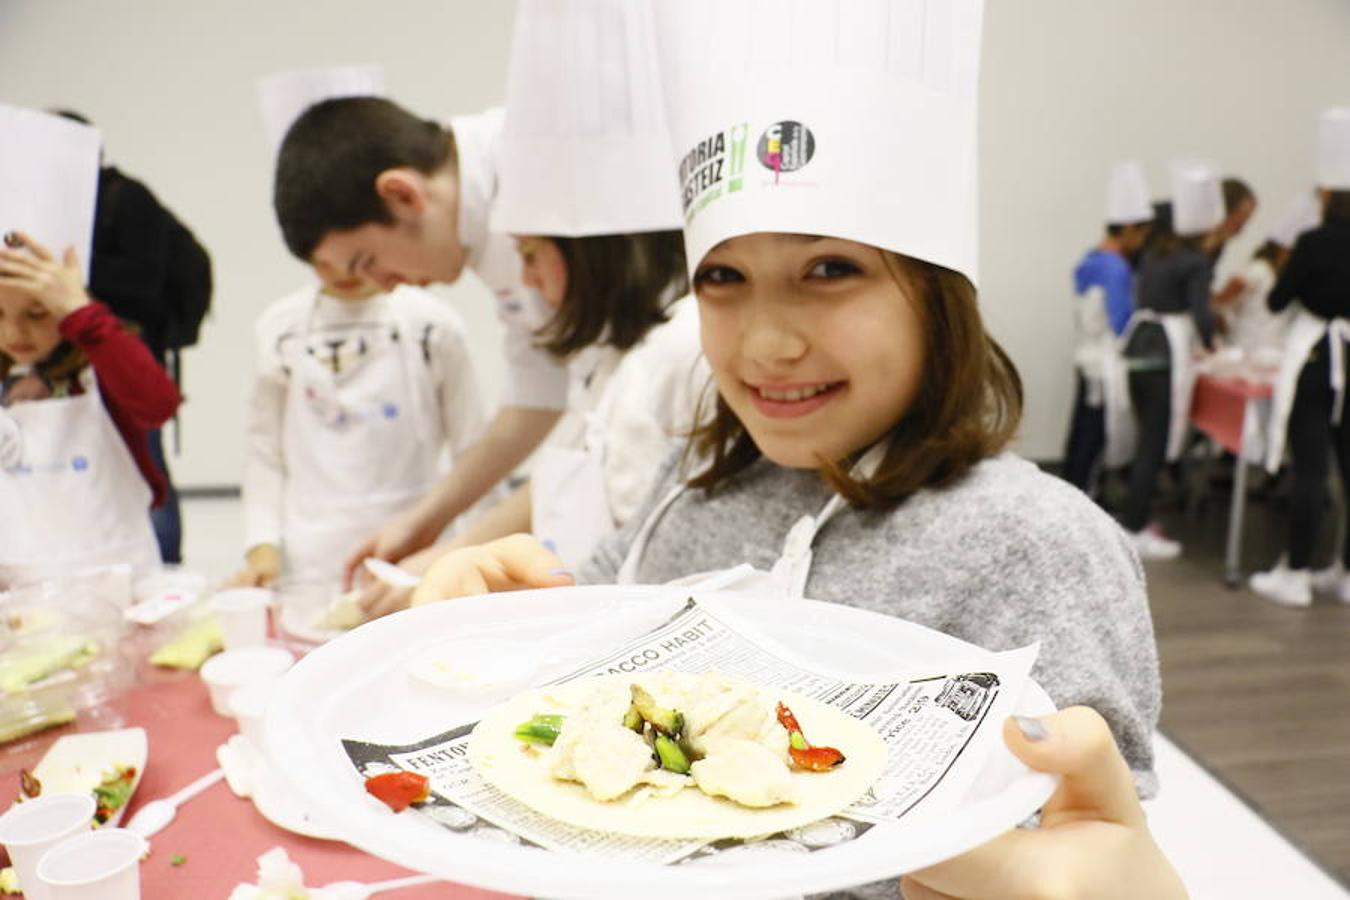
(1258,694)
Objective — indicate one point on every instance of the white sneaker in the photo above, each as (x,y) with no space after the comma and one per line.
(1330,579)
(1151,544)
(1343,589)
(1287,587)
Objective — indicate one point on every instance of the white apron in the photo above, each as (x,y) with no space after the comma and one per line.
(1094,341)
(359,448)
(1305,331)
(787,578)
(71,496)
(569,499)
(1122,433)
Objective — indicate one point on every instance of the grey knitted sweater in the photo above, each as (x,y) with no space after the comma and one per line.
(1005,557)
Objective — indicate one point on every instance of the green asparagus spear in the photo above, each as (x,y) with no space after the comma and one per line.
(632,720)
(665,721)
(541,729)
(671,756)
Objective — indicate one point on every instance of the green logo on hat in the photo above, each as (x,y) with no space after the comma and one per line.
(714,165)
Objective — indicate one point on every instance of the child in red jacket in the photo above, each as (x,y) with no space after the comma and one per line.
(78,394)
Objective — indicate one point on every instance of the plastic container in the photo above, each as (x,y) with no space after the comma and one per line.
(61,652)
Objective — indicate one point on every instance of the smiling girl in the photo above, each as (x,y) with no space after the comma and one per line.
(858,451)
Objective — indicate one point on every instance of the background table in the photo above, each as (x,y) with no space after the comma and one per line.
(220,834)
(1231,412)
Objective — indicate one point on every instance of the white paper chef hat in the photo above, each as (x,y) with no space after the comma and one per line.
(1303,213)
(49,180)
(584,148)
(284,96)
(1197,197)
(846,118)
(1127,199)
(1333,149)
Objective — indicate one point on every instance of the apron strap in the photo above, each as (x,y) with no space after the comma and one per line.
(1338,332)
(793,567)
(628,571)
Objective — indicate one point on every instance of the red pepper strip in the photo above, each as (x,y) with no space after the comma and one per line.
(805,756)
(398,790)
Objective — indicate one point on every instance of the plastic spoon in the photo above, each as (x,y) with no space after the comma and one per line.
(155,815)
(391,574)
(356,890)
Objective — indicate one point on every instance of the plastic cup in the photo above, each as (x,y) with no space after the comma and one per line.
(35,826)
(226,672)
(247,705)
(101,865)
(242,613)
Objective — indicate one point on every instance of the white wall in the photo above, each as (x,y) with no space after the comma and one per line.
(1068,86)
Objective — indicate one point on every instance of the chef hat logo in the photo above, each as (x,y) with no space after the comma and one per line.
(785,147)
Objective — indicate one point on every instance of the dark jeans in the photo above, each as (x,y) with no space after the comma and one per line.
(1087,438)
(1312,438)
(166,518)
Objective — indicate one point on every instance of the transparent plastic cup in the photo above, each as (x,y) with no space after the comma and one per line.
(35,826)
(101,865)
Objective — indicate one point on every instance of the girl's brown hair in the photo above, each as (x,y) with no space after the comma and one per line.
(968,406)
(618,287)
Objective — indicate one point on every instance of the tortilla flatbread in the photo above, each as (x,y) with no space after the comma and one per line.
(507,764)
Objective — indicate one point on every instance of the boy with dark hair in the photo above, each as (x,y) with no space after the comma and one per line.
(363,187)
(366,188)
(1104,286)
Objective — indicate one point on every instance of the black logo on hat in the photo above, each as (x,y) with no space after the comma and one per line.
(786,147)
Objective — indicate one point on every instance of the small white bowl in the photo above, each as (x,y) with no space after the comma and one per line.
(226,672)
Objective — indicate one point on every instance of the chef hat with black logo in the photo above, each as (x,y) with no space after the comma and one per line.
(284,96)
(584,146)
(49,180)
(854,119)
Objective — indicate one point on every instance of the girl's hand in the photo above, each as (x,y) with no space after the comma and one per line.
(508,564)
(1093,841)
(31,268)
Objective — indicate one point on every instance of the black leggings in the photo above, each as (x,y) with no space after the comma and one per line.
(1312,438)
(1151,396)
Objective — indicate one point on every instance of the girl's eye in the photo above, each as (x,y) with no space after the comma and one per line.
(714,275)
(37,314)
(833,268)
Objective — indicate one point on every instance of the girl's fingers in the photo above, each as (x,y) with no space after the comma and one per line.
(1077,744)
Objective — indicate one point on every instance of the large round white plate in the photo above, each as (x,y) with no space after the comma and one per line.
(358,687)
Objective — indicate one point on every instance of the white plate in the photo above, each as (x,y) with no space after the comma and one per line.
(277,802)
(76,763)
(358,687)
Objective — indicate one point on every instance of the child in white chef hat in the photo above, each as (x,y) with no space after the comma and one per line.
(79,392)
(827,159)
(360,395)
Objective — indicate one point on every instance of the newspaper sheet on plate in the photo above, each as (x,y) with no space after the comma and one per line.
(937,725)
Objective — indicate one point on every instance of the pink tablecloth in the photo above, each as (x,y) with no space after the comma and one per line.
(220,835)
(1219,405)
